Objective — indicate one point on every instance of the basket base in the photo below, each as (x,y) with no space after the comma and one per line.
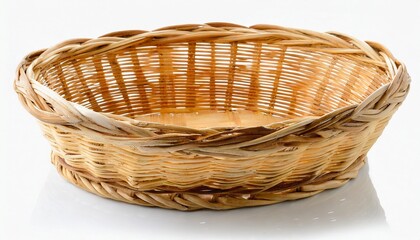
(195,201)
(211,119)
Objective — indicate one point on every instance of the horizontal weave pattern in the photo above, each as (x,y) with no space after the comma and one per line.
(332,95)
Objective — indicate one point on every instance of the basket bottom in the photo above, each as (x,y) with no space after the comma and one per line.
(211,119)
(195,201)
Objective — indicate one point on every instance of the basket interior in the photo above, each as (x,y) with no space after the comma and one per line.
(193,77)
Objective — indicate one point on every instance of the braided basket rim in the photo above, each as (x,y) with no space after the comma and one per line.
(35,96)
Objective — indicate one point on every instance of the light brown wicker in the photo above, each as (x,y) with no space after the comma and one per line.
(331,94)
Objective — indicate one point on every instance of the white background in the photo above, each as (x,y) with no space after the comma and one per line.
(35,203)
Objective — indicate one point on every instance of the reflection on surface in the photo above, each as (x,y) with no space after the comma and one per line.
(62,205)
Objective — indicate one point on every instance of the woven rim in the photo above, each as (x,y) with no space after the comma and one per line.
(49,107)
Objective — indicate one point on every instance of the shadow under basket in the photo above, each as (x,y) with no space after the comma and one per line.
(214,115)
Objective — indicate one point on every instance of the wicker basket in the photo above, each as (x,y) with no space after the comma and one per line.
(215,116)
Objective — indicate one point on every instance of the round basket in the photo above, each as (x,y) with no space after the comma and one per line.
(215,115)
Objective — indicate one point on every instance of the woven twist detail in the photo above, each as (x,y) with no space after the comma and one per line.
(220,201)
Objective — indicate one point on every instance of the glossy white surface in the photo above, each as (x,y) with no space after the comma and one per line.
(36,203)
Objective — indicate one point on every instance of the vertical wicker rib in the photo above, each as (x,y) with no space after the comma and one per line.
(332,95)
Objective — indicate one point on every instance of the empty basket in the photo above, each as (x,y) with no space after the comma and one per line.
(215,116)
